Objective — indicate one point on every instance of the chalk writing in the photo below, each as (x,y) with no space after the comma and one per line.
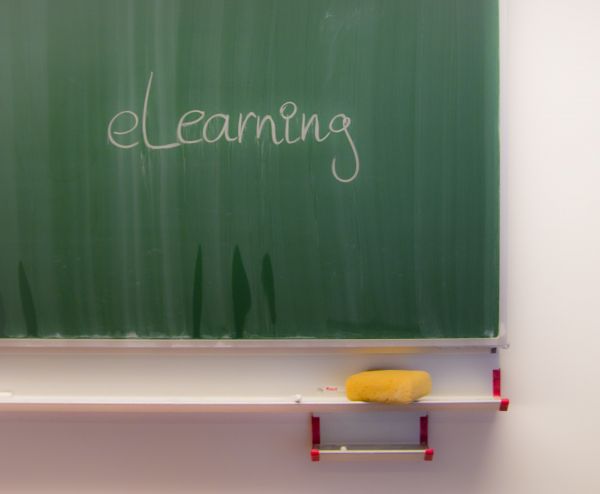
(218,126)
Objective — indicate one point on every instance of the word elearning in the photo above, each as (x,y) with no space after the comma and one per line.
(217,127)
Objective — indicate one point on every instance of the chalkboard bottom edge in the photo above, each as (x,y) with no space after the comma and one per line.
(292,345)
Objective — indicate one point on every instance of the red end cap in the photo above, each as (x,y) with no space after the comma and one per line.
(315,455)
(429,454)
(504,404)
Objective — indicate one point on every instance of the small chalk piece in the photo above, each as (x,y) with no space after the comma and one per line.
(298,398)
(6,394)
(328,388)
(343,448)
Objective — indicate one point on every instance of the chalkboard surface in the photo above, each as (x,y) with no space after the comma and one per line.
(249,169)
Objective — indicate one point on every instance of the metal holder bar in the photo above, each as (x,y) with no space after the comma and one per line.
(420,451)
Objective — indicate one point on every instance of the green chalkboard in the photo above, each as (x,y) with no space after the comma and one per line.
(249,169)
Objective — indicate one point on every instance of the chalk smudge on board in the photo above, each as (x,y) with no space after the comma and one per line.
(27,303)
(197,295)
(242,299)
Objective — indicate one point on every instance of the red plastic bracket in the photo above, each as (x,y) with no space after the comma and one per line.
(424,434)
(497,389)
(316,430)
(429,454)
(497,382)
(315,424)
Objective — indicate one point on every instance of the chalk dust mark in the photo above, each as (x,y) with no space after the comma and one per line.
(3,324)
(242,299)
(27,303)
(197,295)
(268,283)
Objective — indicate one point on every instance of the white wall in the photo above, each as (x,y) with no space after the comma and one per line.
(551,297)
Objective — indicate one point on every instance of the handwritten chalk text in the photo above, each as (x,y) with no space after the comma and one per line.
(287,127)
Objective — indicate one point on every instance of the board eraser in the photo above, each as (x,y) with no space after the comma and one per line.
(388,386)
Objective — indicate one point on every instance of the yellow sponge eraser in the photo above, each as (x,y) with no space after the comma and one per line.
(388,386)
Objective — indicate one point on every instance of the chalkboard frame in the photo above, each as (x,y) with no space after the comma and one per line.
(158,342)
